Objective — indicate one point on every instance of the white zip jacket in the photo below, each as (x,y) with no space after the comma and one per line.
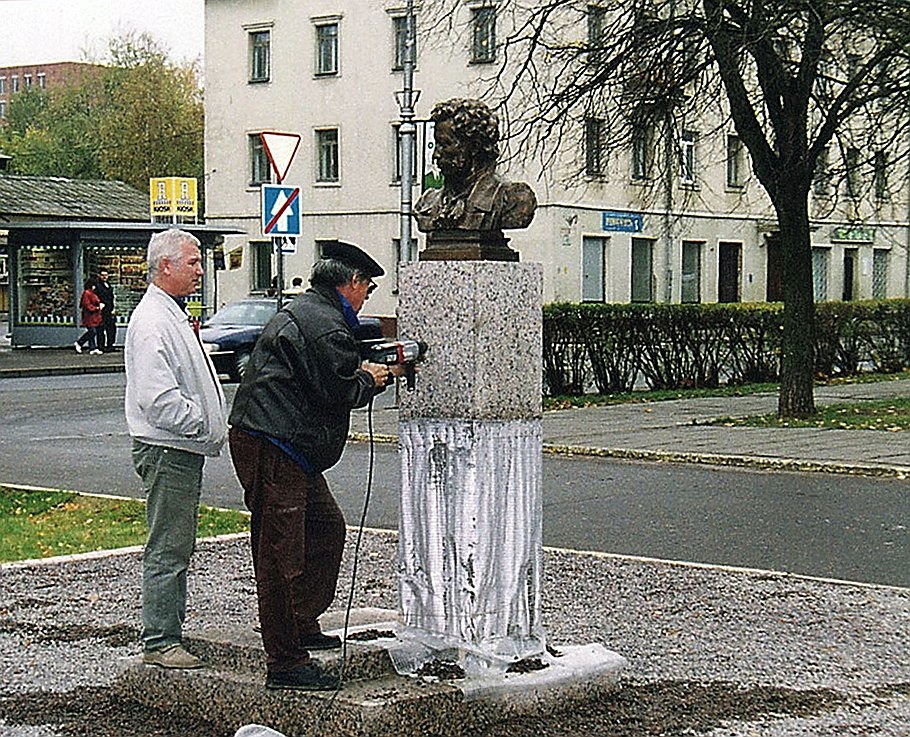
(173,397)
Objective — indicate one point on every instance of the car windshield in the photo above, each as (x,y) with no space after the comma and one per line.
(244,313)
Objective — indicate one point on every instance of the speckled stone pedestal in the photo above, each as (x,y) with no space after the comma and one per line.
(229,691)
(470,436)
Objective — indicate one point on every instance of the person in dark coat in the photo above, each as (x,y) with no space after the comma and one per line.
(107,333)
(289,423)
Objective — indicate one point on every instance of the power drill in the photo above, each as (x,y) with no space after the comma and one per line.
(392,352)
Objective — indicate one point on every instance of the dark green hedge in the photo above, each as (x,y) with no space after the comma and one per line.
(609,348)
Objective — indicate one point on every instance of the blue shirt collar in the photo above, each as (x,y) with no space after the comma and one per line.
(350,317)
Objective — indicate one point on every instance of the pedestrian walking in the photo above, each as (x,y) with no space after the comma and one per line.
(175,412)
(107,332)
(91,306)
(289,423)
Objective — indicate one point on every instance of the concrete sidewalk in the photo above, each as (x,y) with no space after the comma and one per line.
(674,430)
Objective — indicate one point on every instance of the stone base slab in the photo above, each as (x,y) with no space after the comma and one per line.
(230,691)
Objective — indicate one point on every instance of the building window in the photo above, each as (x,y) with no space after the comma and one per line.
(400,34)
(260,169)
(729,270)
(327,48)
(880,258)
(595,149)
(14,83)
(691,272)
(2,108)
(821,180)
(42,80)
(260,55)
(399,154)
(880,175)
(262,265)
(820,259)
(687,156)
(327,155)
(641,152)
(2,85)
(851,162)
(596,22)
(27,81)
(483,47)
(593,268)
(642,270)
(736,162)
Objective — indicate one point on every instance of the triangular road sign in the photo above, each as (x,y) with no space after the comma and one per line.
(280,148)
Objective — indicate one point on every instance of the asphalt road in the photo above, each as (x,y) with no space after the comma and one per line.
(68,432)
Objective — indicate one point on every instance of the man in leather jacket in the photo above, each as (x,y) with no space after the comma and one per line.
(289,423)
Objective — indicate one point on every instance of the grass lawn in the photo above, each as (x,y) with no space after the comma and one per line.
(41,523)
(891,415)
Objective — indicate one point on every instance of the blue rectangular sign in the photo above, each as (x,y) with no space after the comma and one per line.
(281,210)
(625,222)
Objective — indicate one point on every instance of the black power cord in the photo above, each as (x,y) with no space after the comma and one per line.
(350,602)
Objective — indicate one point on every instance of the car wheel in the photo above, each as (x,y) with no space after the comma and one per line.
(240,363)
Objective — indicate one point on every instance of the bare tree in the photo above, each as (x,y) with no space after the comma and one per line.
(815,89)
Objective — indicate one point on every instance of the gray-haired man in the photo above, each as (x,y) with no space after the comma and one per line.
(175,412)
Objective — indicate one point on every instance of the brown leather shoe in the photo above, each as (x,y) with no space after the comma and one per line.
(172,656)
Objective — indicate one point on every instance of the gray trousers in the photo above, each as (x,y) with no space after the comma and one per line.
(172,480)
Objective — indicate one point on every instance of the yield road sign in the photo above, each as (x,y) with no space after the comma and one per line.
(281,210)
(280,148)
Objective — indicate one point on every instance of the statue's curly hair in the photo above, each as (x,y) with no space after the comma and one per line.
(474,122)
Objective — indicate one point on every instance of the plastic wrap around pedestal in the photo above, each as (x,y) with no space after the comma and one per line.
(471,534)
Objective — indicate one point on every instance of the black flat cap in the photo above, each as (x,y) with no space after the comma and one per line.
(353,256)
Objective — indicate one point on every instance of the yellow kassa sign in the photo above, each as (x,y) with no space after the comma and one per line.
(172,196)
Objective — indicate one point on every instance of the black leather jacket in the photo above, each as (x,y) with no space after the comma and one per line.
(303,379)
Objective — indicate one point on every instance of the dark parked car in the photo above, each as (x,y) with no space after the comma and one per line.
(230,334)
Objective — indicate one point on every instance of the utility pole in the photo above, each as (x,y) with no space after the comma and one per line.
(407,132)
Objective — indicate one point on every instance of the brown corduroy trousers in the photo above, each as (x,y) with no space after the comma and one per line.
(297,534)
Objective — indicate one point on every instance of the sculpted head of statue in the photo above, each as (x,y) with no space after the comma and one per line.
(473,197)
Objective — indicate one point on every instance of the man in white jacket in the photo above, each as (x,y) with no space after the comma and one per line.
(175,412)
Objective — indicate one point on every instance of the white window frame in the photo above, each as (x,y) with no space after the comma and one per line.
(880,175)
(483,34)
(260,169)
(259,55)
(327,45)
(595,148)
(698,247)
(328,156)
(400,40)
(688,155)
(641,153)
(42,80)
(735,162)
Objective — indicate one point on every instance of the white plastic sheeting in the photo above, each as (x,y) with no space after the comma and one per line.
(470,550)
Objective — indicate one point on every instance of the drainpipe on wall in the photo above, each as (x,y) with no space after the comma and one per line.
(668,211)
(907,226)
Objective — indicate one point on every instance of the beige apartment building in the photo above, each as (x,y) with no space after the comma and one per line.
(329,70)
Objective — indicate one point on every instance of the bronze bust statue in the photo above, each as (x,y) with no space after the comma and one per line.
(467,216)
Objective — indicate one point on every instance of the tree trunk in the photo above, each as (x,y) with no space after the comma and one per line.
(797,364)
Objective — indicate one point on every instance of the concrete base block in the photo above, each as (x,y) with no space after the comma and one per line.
(230,691)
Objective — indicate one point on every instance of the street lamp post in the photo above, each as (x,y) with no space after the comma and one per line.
(407,131)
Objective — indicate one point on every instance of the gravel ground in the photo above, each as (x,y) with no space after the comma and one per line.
(712,652)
